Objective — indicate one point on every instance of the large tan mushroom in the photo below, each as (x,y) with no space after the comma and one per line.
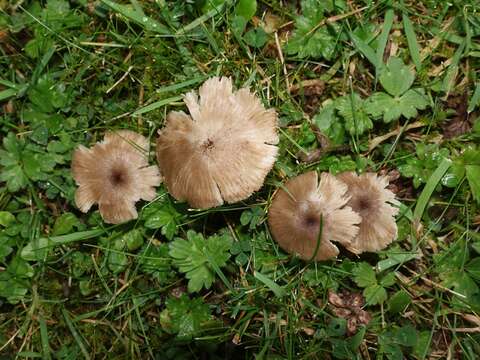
(222,151)
(298,208)
(114,174)
(370,198)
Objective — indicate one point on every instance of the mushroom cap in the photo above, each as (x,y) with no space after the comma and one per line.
(370,198)
(294,216)
(114,174)
(222,151)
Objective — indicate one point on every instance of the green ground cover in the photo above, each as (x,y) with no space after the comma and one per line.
(386,86)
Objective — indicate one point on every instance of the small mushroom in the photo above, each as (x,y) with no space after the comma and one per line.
(114,174)
(304,206)
(222,151)
(370,198)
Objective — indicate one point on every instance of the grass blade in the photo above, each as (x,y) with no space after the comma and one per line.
(383,38)
(178,86)
(8,93)
(75,334)
(199,20)
(137,15)
(37,248)
(276,289)
(475,99)
(452,71)
(44,338)
(430,188)
(412,41)
(365,49)
(156,105)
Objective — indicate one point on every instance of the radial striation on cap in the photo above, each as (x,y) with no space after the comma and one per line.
(370,198)
(114,174)
(222,151)
(298,208)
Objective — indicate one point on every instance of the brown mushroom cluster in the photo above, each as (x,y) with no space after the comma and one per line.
(221,152)
(357,211)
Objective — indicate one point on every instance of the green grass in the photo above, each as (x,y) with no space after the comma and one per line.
(74,287)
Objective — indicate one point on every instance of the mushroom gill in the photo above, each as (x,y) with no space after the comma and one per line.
(222,151)
(114,174)
(370,198)
(303,207)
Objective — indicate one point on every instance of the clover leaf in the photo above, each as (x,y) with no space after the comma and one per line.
(309,39)
(352,109)
(329,123)
(393,108)
(21,163)
(154,260)
(162,214)
(14,282)
(374,290)
(396,77)
(199,258)
(184,316)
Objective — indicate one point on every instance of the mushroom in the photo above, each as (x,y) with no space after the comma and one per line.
(222,151)
(114,174)
(303,207)
(370,198)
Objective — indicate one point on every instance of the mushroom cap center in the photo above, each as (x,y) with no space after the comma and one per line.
(363,204)
(118,176)
(311,221)
(207,145)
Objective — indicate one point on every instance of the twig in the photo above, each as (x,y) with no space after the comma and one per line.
(121,79)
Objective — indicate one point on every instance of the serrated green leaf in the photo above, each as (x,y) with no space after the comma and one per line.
(199,259)
(352,109)
(117,261)
(396,77)
(364,275)
(133,239)
(309,39)
(411,101)
(64,224)
(406,336)
(163,216)
(255,37)
(379,104)
(388,280)
(184,317)
(14,177)
(375,294)
(20,268)
(329,123)
(155,260)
